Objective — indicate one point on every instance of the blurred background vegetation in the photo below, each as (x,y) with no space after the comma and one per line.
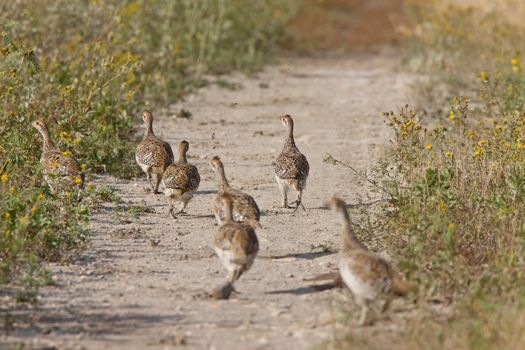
(456,171)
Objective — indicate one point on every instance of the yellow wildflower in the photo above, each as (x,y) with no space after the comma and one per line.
(7,216)
(69,194)
(481,143)
(449,154)
(515,61)
(78,180)
(41,197)
(484,76)
(83,166)
(479,152)
(56,165)
(451,116)
(471,133)
(442,205)
(5,177)
(12,189)
(429,146)
(76,141)
(66,153)
(24,219)
(90,187)
(64,134)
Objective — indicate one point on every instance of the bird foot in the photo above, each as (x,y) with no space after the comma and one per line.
(171,213)
(364,323)
(297,205)
(222,292)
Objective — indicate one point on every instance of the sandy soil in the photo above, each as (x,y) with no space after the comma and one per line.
(141,283)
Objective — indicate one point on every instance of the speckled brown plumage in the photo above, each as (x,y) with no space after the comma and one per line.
(245,208)
(181,180)
(236,244)
(57,166)
(153,155)
(291,167)
(367,275)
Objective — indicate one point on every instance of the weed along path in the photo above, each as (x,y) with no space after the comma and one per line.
(142,280)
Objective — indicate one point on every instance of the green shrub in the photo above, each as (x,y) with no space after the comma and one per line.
(459,203)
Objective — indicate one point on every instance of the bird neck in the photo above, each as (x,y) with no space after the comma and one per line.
(48,143)
(182,156)
(223,182)
(350,241)
(149,129)
(290,142)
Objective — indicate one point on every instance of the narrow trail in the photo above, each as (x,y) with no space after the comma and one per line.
(141,282)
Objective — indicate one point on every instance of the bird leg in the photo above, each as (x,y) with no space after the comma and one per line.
(171,210)
(284,196)
(298,201)
(150,180)
(385,305)
(156,188)
(365,308)
(235,275)
(182,209)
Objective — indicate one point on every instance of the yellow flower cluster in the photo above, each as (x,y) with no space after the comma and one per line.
(65,135)
(408,125)
(484,77)
(479,149)
(442,205)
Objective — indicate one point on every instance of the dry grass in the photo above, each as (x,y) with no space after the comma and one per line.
(342,25)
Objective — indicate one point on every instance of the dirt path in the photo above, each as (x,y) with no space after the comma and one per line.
(127,292)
